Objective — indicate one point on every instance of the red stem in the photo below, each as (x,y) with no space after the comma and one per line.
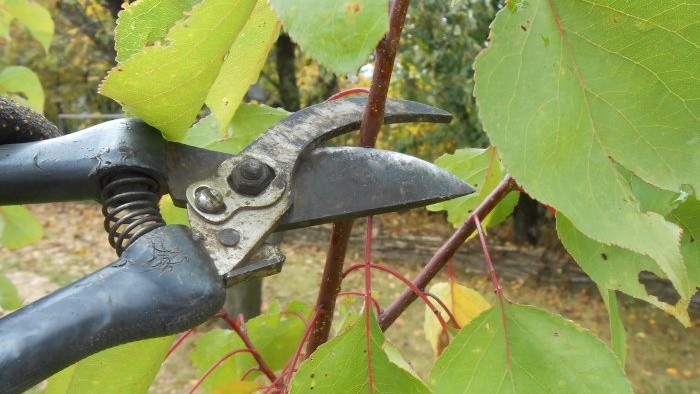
(368,296)
(216,365)
(347,93)
(178,342)
(291,365)
(239,326)
(449,313)
(496,285)
(411,287)
(446,251)
(377,307)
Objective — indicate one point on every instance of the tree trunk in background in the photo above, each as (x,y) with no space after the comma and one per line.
(114,6)
(526,217)
(327,85)
(286,73)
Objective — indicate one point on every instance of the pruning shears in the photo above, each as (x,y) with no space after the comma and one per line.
(169,278)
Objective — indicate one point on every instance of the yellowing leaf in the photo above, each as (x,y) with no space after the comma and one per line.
(137,28)
(241,387)
(35,17)
(464,303)
(24,84)
(243,63)
(166,84)
(19,227)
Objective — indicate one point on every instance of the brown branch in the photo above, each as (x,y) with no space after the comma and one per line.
(446,251)
(372,121)
(330,285)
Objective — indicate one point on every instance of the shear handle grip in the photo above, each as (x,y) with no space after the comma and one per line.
(162,284)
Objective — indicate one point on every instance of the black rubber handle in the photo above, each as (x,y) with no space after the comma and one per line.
(164,283)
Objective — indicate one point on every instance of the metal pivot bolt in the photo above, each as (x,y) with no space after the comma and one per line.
(229,237)
(250,177)
(209,200)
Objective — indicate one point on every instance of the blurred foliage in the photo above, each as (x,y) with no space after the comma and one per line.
(79,56)
(437,50)
(434,66)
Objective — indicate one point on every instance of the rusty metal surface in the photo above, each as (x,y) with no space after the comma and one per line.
(280,148)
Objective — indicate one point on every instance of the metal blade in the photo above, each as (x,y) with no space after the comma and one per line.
(349,182)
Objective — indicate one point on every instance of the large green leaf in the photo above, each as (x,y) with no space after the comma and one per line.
(548,354)
(615,268)
(569,92)
(23,83)
(9,299)
(144,23)
(35,17)
(340,34)
(128,368)
(340,366)
(18,227)
(243,63)
(166,84)
(481,169)
(275,336)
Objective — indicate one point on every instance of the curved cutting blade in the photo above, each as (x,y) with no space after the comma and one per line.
(383,181)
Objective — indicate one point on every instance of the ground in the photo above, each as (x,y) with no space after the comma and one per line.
(663,356)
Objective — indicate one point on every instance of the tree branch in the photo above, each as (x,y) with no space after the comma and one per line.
(372,121)
(446,251)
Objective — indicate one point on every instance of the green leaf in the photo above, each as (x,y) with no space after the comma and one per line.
(274,335)
(243,63)
(128,368)
(615,268)
(35,17)
(250,121)
(9,299)
(20,228)
(166,84)
(340,366)
(171,213)
(340,35)
(617,329)
(23,82)
(570,91)
(548,354)
(482,169)
(138,26)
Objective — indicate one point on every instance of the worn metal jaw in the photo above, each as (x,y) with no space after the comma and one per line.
(246,199)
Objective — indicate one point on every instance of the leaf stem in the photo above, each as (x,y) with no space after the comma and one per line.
(238,325)
(215,366)
(178,342)
(445,252)
(496,285)
(368,297)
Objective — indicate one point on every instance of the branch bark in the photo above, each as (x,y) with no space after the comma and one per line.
(446,251)
(372,121)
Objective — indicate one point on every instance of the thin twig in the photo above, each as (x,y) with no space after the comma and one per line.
(496,285)
(446,251)
(238,325)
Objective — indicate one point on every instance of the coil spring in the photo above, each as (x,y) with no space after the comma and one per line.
(130,208)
